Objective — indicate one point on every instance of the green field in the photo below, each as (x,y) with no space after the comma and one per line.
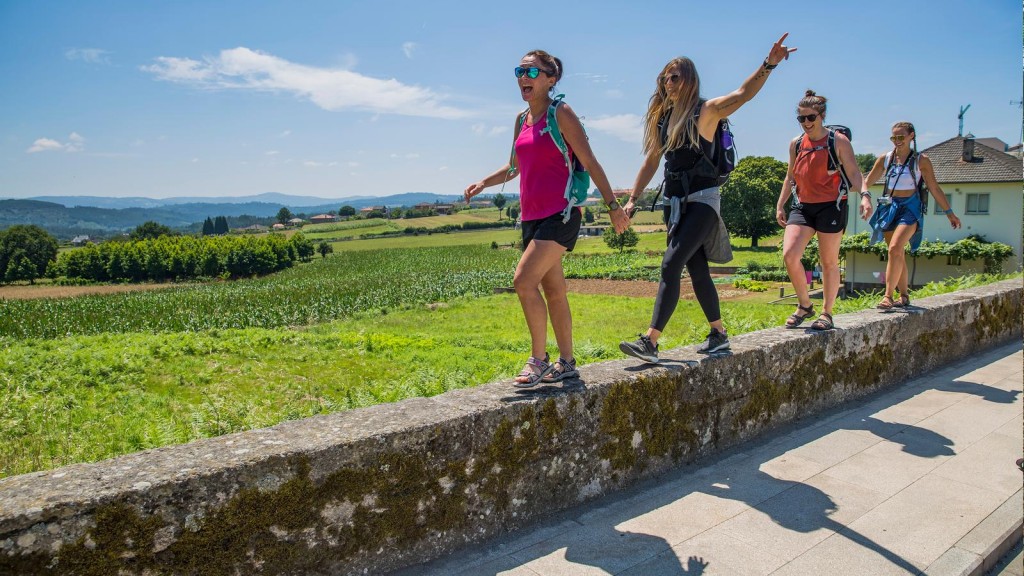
(93,377)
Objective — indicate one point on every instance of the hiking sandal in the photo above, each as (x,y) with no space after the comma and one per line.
(562,370)
(532,373)
(887,303)
(904,302)
(824,322)
(795,319)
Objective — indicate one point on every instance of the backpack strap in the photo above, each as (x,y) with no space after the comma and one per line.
(844,181)
(570,162)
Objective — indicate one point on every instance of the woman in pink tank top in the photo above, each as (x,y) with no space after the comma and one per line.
(547,236)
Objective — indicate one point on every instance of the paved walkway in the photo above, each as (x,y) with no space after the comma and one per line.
(917,479)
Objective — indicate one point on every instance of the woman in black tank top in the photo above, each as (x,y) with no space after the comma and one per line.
(679,125)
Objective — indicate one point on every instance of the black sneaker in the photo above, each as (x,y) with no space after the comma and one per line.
(642,348)
(716,342)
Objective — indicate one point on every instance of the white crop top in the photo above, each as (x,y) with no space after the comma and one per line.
(897,177)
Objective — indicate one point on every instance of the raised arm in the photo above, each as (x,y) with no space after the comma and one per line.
(572,130)
(723,106)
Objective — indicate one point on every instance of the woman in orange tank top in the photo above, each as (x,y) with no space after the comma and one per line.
(819,207)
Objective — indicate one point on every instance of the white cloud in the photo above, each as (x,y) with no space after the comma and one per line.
(628,127)
(409,48)
(91,55)
(195,160)
(311,164)
(482,129)
(442,169)
(75,143)
(594,78)
(353,164)
(329,88)
(271,153)
(614,93)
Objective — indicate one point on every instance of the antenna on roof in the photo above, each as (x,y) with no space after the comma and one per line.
(1020,105)
(963,110)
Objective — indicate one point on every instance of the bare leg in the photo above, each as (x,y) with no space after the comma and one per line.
(896,268)
(828,256)
(794,243)
(557,298)
(538,259)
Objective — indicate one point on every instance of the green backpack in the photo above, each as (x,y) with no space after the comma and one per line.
(578,185)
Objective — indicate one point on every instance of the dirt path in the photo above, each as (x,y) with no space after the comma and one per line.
(19,292)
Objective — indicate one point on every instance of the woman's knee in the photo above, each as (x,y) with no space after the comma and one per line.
(525,282)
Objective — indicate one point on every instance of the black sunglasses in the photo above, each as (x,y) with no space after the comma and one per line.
(531,72)
(671,77)
(807,118)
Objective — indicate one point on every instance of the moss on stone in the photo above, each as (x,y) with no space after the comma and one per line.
(653,408)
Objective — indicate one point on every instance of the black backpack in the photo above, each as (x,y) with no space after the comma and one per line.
(833,158)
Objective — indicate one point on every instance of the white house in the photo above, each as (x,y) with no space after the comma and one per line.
(983,186)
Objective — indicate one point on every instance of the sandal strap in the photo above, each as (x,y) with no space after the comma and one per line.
(809,309)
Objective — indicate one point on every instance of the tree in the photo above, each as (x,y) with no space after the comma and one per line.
(208,226)
(513,212)
(866,162)
(324,249)
(27,250)
(588,215)
(220,225)
(627,239)
(748,197)
(346,211)
(150,230)
(499,203)
(284,215)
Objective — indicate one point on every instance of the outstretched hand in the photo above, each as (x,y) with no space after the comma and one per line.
(780,51)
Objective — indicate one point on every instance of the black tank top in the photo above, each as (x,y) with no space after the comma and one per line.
(681,159)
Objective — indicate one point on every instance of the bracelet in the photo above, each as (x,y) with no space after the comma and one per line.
(866,195)
(947,211)
(612,205)
(768,66)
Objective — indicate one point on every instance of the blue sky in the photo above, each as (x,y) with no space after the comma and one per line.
(334,99)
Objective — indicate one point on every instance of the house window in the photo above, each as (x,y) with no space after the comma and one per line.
(977,204)
(949,202)
(953,260)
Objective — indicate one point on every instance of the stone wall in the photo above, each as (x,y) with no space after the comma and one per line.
(371,490)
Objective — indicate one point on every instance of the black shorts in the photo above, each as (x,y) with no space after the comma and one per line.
(822,216)
(552,228)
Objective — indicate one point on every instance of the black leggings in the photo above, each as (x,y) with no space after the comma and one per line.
(686,246)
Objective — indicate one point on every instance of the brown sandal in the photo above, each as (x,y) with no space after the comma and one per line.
(904,302)
(887,303)
(824,322)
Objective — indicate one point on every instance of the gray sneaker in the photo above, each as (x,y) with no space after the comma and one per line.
(716,342)
(642,348)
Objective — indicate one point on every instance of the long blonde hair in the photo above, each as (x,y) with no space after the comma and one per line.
(682,127)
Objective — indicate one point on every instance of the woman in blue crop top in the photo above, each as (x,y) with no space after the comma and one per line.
(900,216)
(680,125)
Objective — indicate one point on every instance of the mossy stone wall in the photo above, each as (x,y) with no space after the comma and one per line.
(371,490)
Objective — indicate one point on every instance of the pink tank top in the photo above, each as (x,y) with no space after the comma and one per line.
(542,173)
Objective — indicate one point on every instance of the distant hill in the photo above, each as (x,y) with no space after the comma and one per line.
(77,215)
(294,203)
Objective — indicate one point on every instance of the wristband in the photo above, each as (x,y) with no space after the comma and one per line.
(768,66)
(947,211)
(866,195)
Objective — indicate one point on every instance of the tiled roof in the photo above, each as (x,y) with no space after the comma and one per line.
(989,164)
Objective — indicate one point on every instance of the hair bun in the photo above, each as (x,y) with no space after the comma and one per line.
(809,93)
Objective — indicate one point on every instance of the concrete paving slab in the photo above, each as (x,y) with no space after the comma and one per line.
(685,517)
(709,555)
(968,421)
(1013,428)
(985,465)
(585,551)
(834,447)
(885,467)
(851,501)
(844,553)
(996,528)
(925,403)
(923,521)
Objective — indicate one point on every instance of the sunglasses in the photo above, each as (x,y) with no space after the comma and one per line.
(671,78)
(807,118)
(897,138)
(531,72)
